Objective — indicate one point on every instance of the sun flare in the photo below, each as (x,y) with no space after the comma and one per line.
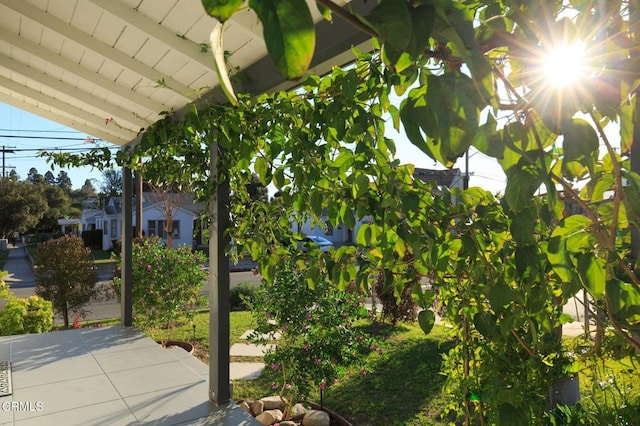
(565,65)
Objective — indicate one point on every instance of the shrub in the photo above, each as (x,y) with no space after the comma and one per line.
(394,308)
(317,337)
(166,284)
(20,316)
(66,275)
(32,315)
(242,296)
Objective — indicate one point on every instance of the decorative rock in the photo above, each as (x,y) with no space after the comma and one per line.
(269,417)
(257,407)
(316,418)
(245,406)
(297,412)
(273,403)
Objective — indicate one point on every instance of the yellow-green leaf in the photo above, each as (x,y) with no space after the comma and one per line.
(289,34)
(221,9)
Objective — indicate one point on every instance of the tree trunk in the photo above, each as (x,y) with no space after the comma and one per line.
(65,315)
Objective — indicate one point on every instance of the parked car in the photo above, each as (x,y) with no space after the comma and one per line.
(310,240)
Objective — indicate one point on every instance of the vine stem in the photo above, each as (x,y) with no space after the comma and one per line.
(350,18)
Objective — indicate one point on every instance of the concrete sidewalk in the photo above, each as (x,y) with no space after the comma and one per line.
(19,268)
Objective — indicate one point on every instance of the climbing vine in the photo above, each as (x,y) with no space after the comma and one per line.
(467,75)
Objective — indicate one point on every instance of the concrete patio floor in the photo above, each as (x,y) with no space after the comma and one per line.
(107,376)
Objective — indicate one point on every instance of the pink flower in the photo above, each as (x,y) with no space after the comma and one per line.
(307,346)
(317,361)
(275,366)
(323,385)
(374,346)
(364,371)
(274,385)
(148,267)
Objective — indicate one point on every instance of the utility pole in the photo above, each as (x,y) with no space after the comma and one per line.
(6,150)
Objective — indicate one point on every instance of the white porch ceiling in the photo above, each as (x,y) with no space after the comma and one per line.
(109,68)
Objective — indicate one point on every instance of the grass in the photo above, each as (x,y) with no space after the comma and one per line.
(403,387)
(102,256)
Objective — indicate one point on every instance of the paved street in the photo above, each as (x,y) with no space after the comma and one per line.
(22,284)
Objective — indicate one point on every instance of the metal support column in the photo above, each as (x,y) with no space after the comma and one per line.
(126,307)
(219,380)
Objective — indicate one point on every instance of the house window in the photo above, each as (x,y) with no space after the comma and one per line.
(114,228)
(151,227)
(105,231)
(156,227)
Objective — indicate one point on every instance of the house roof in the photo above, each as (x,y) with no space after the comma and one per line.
(445,178)
(110,68)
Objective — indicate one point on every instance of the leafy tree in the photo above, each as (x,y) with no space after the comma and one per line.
(64,181)
(111,185)
(21,208)
(58,206)
(65,275)
(88,190)
(49,178)
(34,176)
(13,175)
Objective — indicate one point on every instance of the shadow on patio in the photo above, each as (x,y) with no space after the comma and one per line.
(107,376)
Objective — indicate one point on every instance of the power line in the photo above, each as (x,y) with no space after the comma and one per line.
(6,150)
(57,138)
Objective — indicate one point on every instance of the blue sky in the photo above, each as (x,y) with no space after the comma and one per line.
(15,122)
(484,171)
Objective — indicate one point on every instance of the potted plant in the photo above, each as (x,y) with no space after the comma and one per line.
(166,285)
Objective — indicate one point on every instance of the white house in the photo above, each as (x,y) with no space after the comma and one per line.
(154,212)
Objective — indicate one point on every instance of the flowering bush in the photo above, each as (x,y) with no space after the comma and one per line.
(166,284)
(312,330)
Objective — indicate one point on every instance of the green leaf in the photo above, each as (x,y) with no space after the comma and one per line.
(289,34)
(422,22)
(511,415)
(580,145)
(426,320)
(391,19)
(523,226)
(487,140)
(520,188)
(325,12)
(221,9)
(485,324)
(261,167)
(559,258)
(592,274)
(624,299)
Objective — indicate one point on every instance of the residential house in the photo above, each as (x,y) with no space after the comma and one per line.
(154,213)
